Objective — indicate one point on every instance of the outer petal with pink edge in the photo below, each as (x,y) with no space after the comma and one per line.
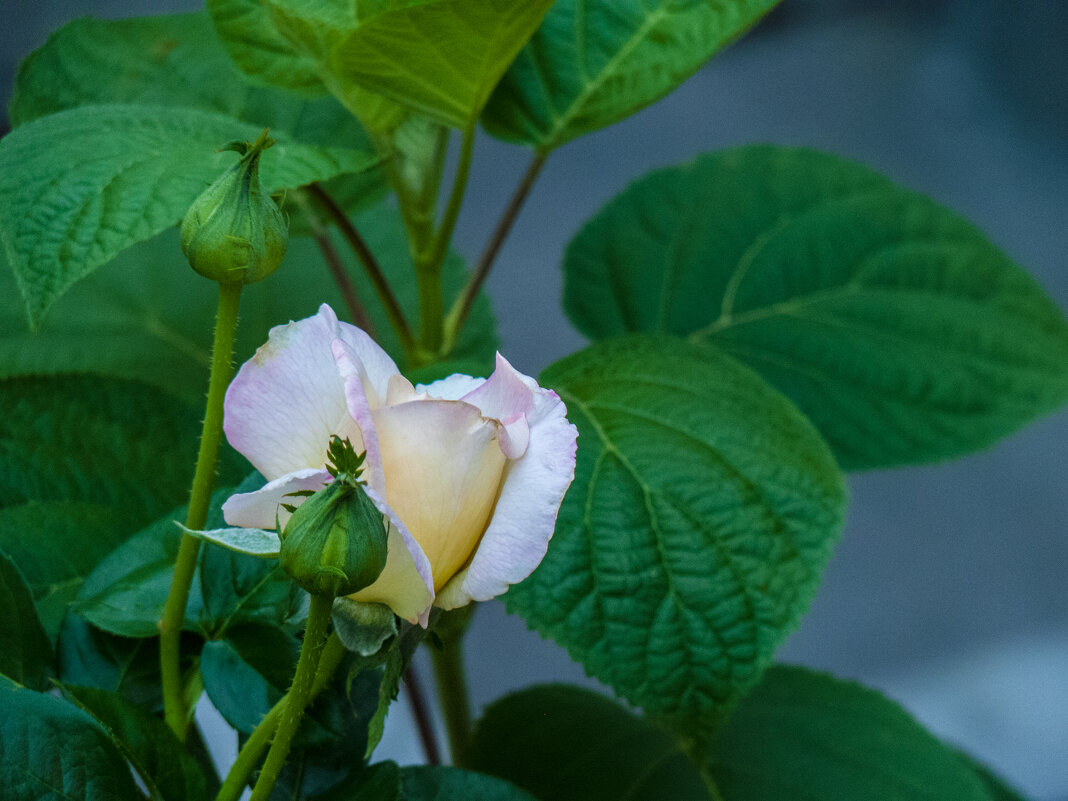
(288,399)
(258,509)
(522,524)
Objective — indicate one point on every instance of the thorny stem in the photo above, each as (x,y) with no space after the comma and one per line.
(371,267)
(299,695)
(251,752)
(461,308)
(421,712)
(176,713)
(337,268)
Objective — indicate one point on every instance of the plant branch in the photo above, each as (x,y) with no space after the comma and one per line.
(461,308)
(299,695)
(337,267)
(370,265)
(453,697)
(251,752)
(423,721)
(428,264)
(176,713)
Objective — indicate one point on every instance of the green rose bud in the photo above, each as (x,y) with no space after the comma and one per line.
(234,233)
(335,542)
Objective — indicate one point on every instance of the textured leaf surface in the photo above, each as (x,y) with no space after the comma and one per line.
(151,747)
(146,316)
(806,735)
(594,62)
(598,750)
(895,325)
(51,750)
(427,783)
(440,57)
(79,186)
(703,509)
(26,655)
(249,541)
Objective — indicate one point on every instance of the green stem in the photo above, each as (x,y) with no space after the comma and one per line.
(299,695)
(453,696)
(457,316)
(428,262)
(176,713)
(252,751)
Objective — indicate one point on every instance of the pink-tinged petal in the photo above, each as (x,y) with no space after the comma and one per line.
(376,365)
(444,467)
(453,387)
(525,516)
(288,399)
(508,396)
(258,509)
(406,584)
(358,407)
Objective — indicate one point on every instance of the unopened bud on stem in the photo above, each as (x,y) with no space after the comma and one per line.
(234,233)
(335,542)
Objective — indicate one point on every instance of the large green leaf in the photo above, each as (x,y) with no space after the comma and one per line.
(85,462)
(440,57)
(703,509)
(806,735)
(386,781)
(79,186)
(130,667)
(594,62)
(147,316)
(598,750)
(178,61)
(27,653)
(895,325)
(52,751)
(169,771)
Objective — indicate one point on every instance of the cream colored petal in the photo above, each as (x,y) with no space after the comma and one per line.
(358,412)
(376,365)
(443,468)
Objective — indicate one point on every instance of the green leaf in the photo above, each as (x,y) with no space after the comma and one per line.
(594,62)
(896,326)
(130,667)
(51,751)
(703,509)
(126,593)
(255,44)
(246,674)
(250,541)
(439,57)
(146,316)
(363,627)
(79,186)
(439,783)
(27,653)
(995,786)
(598,750)
(167,769)
(801,734)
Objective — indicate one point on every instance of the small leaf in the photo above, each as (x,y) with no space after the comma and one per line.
(599,751)
(703,509)
(251,541)
(896,326)
(79,186)
(594,62)
(27,653)
(362,627)
(50,749)
(159,759)
(440,57)
(801,734)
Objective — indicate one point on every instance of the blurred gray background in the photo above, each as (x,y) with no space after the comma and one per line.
(948,588)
